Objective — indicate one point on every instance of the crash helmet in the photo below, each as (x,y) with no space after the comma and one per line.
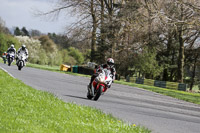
(110,62)
(12,46)
(23,47)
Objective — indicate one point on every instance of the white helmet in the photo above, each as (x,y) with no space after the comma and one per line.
(110,62)
(12,46)
(23,46)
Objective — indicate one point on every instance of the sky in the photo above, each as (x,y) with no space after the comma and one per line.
(20,13)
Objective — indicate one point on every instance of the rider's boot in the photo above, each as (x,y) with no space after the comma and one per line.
(89,88)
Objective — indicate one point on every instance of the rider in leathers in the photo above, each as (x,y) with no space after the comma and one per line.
(11,49)
(109,65)
(21,50)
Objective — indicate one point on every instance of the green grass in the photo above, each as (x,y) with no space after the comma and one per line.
(24,109)
(53,68)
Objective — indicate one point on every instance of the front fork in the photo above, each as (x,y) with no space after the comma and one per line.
(104,87)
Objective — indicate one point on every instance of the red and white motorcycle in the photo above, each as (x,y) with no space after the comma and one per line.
(100,84)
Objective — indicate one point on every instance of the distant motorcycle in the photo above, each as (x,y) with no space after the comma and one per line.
(100,84)
(4,59)
(21,61)
(10,58)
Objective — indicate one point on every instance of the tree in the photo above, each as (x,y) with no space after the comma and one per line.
(24,32)
(34,33)
(122,29)
(76,54)
(182,15)
(3,28)
(17,31)
(147,63)
(47,44)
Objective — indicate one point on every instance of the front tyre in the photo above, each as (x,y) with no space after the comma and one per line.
(20,65)
(9,62)
(98,93)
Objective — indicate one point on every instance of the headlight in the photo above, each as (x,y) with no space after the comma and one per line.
(101,79)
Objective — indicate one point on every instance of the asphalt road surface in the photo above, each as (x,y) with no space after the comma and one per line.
(161,114)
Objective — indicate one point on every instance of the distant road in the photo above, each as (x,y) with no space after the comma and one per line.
(161,114)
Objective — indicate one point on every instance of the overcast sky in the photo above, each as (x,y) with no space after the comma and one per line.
(20,13)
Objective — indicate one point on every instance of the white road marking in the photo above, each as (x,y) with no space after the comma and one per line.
(6,71)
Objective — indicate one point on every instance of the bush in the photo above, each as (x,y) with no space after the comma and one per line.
(34,48)
(77,55)
(6,41)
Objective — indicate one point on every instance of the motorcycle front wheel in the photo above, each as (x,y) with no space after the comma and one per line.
(98,93)
(9,61)
(20,65)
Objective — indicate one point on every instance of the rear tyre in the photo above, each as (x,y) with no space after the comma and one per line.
(98,93)
(89,96)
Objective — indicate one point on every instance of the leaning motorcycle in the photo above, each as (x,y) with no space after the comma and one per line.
(100,84)
(21,61)
(10,58)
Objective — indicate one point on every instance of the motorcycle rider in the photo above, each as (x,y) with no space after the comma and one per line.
(21,50)
(11,49)
(4,57)
(109,65)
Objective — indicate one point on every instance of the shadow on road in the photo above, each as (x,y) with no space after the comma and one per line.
(77,97)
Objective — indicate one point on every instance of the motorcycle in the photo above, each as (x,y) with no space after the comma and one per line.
(100,84)
(21,61)
(4,59)
(10,58)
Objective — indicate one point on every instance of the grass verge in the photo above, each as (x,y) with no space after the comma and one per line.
(24,109)
(182,95)
(186,96)
(53,68)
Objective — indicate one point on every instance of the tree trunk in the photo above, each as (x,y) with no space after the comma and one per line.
(193,73)
(180,75)
(94,28)
(102,34)
(181,57)
(111,34)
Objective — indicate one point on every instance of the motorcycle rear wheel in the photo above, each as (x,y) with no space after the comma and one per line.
(89,96)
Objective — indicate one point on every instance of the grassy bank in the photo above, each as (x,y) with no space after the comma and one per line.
(186,96)
(24,109)
(182,95)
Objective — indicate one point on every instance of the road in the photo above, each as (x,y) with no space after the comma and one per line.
(159,113)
